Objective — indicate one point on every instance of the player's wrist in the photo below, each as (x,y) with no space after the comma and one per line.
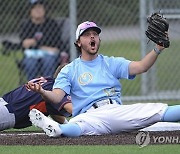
(42,92)
(157,51)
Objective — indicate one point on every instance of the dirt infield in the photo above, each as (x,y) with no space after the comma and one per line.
(39,138)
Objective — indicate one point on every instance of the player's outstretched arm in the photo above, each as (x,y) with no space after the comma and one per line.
(138,67)
(157,32)
(54,96)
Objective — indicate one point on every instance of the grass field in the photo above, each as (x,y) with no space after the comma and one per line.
(121,149)
(9,78)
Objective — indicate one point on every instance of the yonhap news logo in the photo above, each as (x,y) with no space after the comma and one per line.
(144,138)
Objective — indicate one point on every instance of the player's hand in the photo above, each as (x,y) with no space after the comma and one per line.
(36,87)
(159,47)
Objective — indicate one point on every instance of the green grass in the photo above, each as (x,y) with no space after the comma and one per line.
(124,149)
(31,128)
(9,78)
(168,68)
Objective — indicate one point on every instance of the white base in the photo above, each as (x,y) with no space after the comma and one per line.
(163,126)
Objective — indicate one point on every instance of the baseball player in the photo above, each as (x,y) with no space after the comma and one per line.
(15,105)
(92,81)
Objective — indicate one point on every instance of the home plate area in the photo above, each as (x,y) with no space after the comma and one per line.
(160,133)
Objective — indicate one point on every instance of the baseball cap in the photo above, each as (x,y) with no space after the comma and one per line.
(36,2)
(85,26)
(33,3)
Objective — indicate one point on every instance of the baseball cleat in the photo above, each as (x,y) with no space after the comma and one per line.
(50,127)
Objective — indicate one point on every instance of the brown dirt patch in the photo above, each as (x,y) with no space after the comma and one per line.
(39,138)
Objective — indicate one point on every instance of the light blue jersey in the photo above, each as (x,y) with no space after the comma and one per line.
(90,81)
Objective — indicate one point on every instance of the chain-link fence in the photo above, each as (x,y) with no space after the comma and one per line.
(123,24)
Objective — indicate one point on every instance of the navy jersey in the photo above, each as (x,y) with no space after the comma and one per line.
(21,101)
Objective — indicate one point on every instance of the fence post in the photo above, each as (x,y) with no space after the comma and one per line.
(144,79)
(72,16)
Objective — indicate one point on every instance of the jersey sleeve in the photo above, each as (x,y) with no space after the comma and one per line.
(62,81)
(119,67)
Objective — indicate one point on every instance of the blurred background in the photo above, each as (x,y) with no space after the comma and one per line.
(123,24)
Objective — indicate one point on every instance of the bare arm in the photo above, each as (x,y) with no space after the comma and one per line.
(54,96)
(138,67)
(50,49)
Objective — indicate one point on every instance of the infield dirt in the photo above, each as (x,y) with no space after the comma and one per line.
(39,138)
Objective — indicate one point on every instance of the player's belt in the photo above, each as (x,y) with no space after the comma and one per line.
(102,103)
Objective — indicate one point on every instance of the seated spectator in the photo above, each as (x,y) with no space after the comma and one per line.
(40,37)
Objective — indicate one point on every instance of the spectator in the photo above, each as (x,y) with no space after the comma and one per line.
(41,40)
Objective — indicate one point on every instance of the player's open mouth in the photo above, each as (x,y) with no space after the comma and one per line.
(92,43)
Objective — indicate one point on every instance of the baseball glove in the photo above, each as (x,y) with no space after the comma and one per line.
(157,30)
